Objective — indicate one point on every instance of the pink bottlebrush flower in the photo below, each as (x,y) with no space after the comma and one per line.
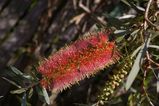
(83,58)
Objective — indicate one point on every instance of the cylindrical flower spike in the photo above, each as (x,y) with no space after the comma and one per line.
(83,58)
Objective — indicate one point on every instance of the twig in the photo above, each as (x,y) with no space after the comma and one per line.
(150,60)
(88,11)
(146,16)
(145,74)
(148,57)
(84,7)
(147,38)
(147,96)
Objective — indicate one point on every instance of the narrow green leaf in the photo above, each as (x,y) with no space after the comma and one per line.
(136,66)
(16,71)
(126,2)
(153,46)
(18,91)
(119,39)
(28,77)
(11,82)
(134,71)
(30,93)
(136,51)
(43,95)
(39,91)
(24,102)
(135,32)
(20,74)
(46,96)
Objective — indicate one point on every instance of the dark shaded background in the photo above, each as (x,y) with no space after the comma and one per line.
(32,29)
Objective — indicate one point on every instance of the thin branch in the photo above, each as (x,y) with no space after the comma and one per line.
(152,61)
(147,38)
(147,96)
(149,59)
(88,11)
(146,16)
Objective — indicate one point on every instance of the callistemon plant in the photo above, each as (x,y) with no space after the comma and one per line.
(82,58)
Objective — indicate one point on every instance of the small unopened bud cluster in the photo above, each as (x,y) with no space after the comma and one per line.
(119,74)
